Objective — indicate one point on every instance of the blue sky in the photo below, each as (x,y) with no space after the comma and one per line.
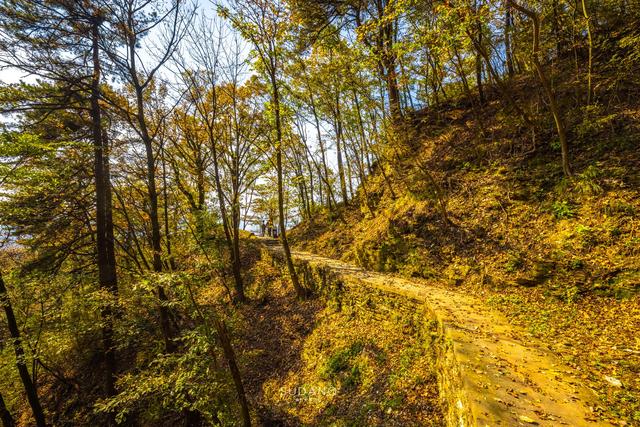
(207,7)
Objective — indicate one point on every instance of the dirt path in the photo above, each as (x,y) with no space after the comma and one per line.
(505,377)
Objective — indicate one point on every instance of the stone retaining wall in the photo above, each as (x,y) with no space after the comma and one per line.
(350,293)
(490,372)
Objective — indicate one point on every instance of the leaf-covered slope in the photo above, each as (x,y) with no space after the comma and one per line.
(475,198)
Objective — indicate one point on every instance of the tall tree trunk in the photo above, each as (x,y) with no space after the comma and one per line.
(504,90)
(235,202)
(479,78)
(349,171)
(381,159)
(436,79)
(5,415)
(467,89)
(132,233)
(382,45)
(235,222)
(311,196)
(479,56)
(508,25)
(165,196)
(302,187)
(201,207)
(363,182)
(108,207)
(556,25)
(322,177)
(226,226)
(156,239)
(14,332)
(300,292)
(222,335)
(330,196)
(546,85)
(338,129)
(107,275)
(320,191)
(459,66)
(590,42)
(363,137)
(394,92)
(391,75)
(225,342)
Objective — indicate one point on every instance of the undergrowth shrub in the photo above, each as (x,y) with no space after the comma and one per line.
(515,262)
(563,209)
(340,361)
(619,207)
(594,122)
(586,182)
(175,383)
(587,236)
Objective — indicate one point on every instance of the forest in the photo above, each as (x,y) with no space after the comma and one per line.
(319,212)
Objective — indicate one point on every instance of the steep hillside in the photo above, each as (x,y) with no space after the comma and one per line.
(472,197)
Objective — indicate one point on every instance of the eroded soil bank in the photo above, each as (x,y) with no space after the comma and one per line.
(343,359)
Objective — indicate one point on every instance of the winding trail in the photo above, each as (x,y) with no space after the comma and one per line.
(490,372)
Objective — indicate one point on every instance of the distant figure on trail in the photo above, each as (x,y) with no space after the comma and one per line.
(270,230)
(263,228)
